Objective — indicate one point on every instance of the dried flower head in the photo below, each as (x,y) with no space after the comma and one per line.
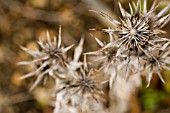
(136,30)
(83,83)
(78,89)
(107,54)
(50,57)
(137,36)
(163,58)
(111,59)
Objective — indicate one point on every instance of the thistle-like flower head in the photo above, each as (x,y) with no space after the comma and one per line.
(79,84)
(50,57)
(137,36)
(136,30)
(107,54)
(163,59)
(83,83)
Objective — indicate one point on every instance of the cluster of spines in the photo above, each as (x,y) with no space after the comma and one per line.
(135,47)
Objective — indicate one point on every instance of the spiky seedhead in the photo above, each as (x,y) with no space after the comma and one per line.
(136,30)
(83,83)
(50,57)
(138,35)
(163,58)
(108,54)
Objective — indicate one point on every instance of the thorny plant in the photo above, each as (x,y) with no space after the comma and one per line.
(135,48)
(50,58)
(137,35)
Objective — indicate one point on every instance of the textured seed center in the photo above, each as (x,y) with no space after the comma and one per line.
(133,32)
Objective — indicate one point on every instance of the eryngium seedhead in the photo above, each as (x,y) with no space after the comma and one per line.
(51,57)
(107,54)
(163,59)
(137,31)
(83,83)
(110,57)
(137,35)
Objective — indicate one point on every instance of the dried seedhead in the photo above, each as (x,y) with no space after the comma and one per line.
(83,82)
(136,36)
(51,57)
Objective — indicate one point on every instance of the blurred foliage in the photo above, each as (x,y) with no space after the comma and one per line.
(23,22)
(150,98)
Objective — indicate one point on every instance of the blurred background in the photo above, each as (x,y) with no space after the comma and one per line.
(23,22)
